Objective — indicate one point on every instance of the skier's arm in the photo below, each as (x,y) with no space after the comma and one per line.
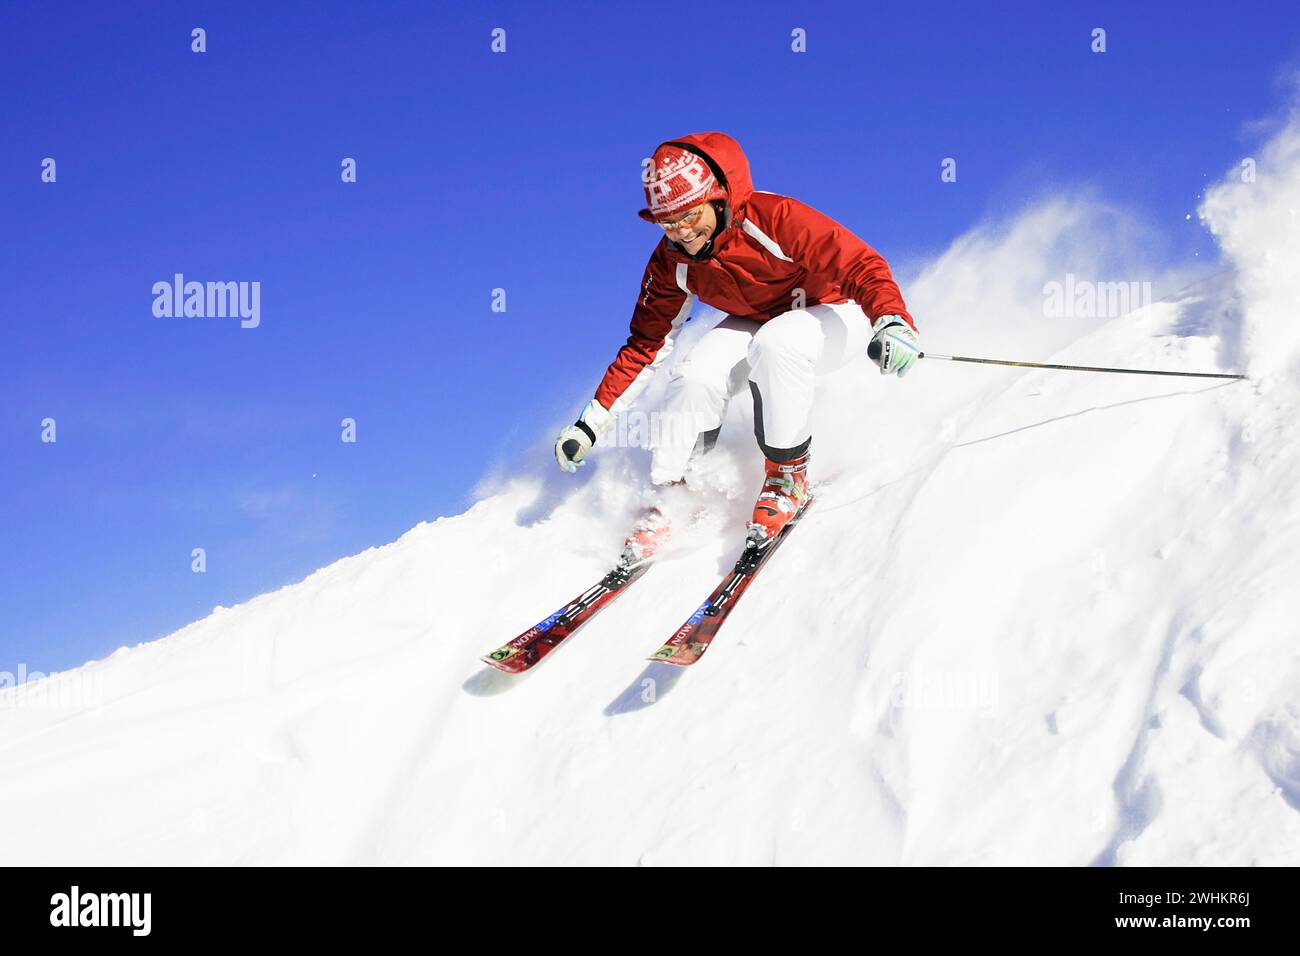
(663,305)
(824,247)
(661,310)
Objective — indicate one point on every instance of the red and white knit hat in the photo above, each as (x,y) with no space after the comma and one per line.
(678,180)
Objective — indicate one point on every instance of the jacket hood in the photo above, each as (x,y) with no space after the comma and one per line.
(725,158)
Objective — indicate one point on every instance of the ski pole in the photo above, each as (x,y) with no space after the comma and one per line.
(1078,368)
(873,351)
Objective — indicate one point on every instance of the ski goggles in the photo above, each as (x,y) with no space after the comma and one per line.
(690,219)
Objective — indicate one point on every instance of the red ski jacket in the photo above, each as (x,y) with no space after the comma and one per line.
(768,247)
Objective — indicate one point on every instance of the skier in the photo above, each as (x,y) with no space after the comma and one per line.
(803,295)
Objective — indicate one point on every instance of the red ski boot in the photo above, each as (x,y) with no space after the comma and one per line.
(784,492)
(649,534)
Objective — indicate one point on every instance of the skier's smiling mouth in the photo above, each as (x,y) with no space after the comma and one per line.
(697,240)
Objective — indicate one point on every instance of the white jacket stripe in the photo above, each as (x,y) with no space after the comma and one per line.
(681,277)
(764,240)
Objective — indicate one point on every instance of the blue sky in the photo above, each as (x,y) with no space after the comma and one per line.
(476,171)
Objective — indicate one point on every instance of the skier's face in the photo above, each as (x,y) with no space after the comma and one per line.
(692,231)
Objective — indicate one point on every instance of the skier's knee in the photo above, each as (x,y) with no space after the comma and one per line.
(698,380)
(784,340)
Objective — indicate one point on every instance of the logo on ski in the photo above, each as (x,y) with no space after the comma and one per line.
(698,616)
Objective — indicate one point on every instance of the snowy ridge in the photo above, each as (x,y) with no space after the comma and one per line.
(1036,617)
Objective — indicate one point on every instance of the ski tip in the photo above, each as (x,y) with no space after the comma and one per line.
(668,654)
(669,660)
(500,663)
(676,655)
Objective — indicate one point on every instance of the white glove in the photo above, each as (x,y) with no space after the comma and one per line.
(894,346)
(573,442)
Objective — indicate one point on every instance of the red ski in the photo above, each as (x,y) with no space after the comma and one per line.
(526,650)
(694,637)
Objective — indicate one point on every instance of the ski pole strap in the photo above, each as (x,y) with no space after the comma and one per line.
(1078,368)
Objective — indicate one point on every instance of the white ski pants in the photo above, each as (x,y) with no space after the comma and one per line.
(780,359)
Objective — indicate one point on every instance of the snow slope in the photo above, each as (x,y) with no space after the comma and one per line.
(1037,617)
